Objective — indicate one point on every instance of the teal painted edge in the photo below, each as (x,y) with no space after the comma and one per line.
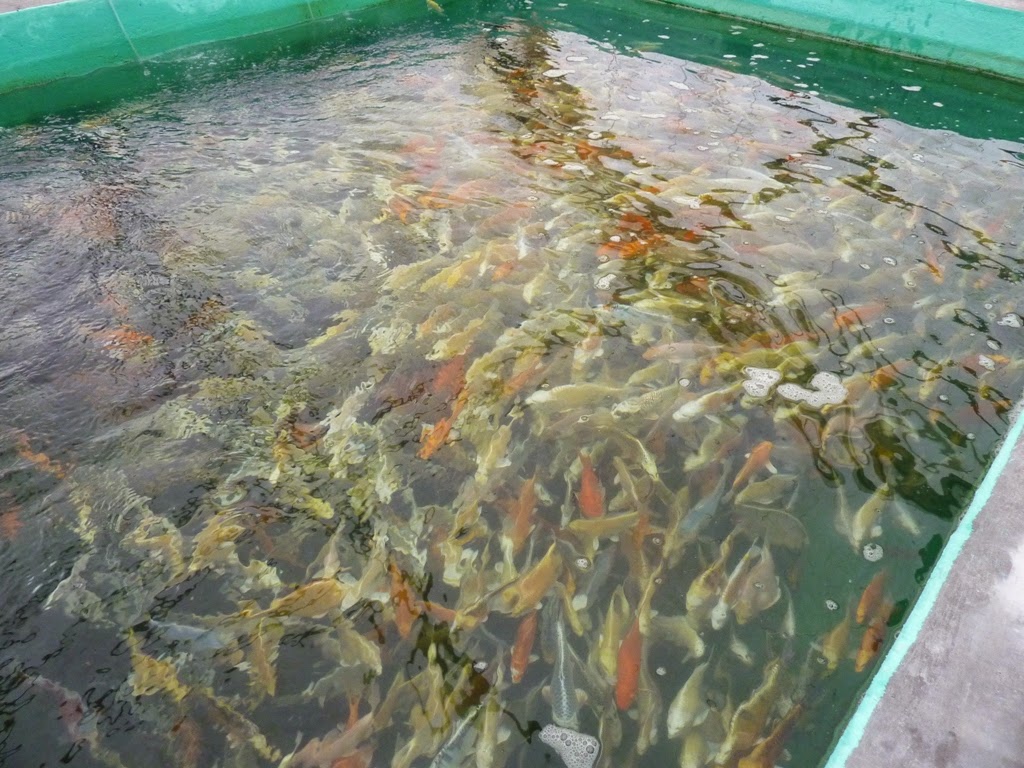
(961,32)
(852,734)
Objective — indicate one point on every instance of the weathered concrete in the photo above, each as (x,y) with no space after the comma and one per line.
(957,700)
(17,5)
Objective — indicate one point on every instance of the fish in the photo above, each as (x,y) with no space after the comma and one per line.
(700,515)
(874,637)
(628,662)
(759,458)
(679,631)
(724,436)
(858,316)
(866,517)
(528,590)
(708,404)
(591,495)
(759,589)
(778,525)
(519,524)
(681,351)
(767,752)
(709,585)
(523,646)
(752,715)
(905,518)
(835,642)
(695,751)
(312,601)
(565,706)
(766,492)
(404,603)
(613,630)
(871,597)
(733,587)
(689,708)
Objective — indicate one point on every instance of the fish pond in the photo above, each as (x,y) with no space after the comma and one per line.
(524,385)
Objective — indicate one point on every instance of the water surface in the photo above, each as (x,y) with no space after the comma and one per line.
(388,403)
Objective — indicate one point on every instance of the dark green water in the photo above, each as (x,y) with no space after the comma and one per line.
(328,373)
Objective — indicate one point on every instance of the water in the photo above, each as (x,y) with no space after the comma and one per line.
(391,402)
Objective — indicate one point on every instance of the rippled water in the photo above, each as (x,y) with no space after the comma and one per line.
(387,406)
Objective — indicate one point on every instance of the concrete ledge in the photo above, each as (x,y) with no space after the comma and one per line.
(969,34)
(949,694)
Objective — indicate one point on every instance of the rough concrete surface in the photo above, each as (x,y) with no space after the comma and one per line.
(17,5)
(957,700)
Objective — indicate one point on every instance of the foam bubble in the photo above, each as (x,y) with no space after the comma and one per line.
(760,381)
(872,552)
(577,750)
(827,389)
(832,605)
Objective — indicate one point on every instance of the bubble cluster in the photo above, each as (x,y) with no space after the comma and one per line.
(577,750)
(872,552)
(1011,320)
(832,605)
(827,389)
(760,381)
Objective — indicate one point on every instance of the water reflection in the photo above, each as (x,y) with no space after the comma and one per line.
(610,398)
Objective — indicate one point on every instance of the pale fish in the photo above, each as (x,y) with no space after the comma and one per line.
(765,492)
(731,593)
(680,631)
(752,715)
(864,520)
(759,590)
(710,403)
(689,707)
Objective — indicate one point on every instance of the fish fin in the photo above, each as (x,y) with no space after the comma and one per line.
(771,468)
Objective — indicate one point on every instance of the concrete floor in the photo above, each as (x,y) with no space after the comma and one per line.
(957,700)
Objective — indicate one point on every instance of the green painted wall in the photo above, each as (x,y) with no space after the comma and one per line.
(962,32)
(73,38)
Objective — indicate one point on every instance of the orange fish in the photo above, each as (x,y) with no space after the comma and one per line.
(450,378)
(439,612)
(874,637)
(504,269)
(521,511)
(523,646)
(885,377)
(872,597)
(586,150)
(434,437)
(407,609)
(401,208)
(10,524)
(931,260)
(591,495)
(758,460)
(527,591)
(861,315)
(631,221)
(627,678)
(41,460)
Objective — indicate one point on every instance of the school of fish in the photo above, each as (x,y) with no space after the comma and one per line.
(604,414)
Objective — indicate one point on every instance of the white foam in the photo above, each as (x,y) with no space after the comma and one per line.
(760,381)
(577,750)
(872,552)
(827,390)
(1011,320)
